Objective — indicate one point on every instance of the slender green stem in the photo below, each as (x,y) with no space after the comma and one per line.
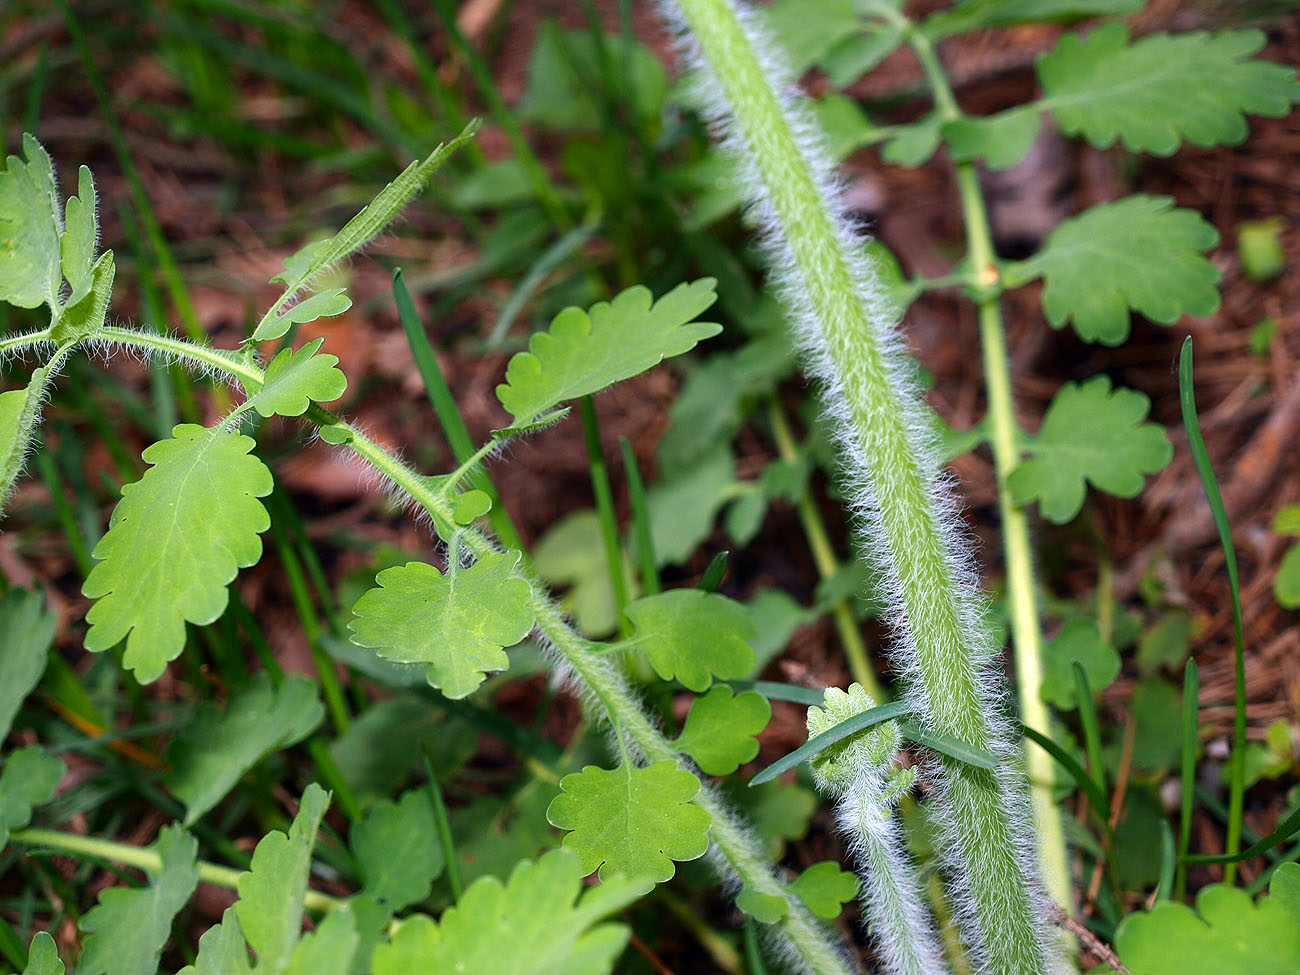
(824,558)
(1191,727)
(645,548)
(145,859)
(1022,588)
(604,495)
(805,936)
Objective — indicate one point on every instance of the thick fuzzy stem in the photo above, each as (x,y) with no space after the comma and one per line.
(942,645)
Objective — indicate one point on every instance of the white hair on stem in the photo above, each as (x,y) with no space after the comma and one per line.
(902,503)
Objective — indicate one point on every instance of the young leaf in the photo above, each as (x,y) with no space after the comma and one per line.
(1079,641)
(30,224)
(160,570)
(28,630)
(77,242)
(392,848)
(19,411)
(458,624)
(825,889)
(1138,254)
(218,746)
(271,893)
(585,351)
(329,949)
(221,950)
(684,506)
(325,304)
(1090,434)
(689,634)
(85,312)
(765,908)
(128,929)
(1159,90)
(631,822)
(1241,937)
(296,379)
(1002,140)
(43,956)
(720,729)
(29,779)
(540,922)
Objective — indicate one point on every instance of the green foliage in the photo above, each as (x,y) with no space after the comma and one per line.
(1286,585)
(1140,254)
(328,950)
(28,629)
(1166,645)
(19,412)
(1091,434)
(684,507)
(721,728)
(29,779)
(323,304)
(1156,708)
(631,822)
(458,624)
(296,379)
(398,863)
(1078,642)
(221,950)
(825,889)
(43,957)
(272,891)
(126,932)
(967,15)
(689,634)
(571,554)
(1241,938)
(1160,90)
(585,351)
(218,746)
(1259,247)
(30,229)
(175,541)
(540,922)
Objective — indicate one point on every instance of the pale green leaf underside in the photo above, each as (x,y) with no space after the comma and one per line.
(176,540)
(297,378)
(1090,434)
(540,922)
(689,634)
(30,225)
(28,630)
(631,822)
(825,889)
(43,956)
(585,351)
(458,624)
(29,779)
(325,304)
(129,928)
(721,728)
(1163,89)
(221,950)
(394,850)
(1138,254)
(271,893)
(219,745)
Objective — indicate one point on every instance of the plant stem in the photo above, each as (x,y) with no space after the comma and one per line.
(1022,589)
(145,859)
(941,643)
(604,495)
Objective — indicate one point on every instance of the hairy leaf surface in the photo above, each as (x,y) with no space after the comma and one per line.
(631,822)
(585,351)
(176,539)
(29,779)
(80,235)
(30,225)
(1140,254)
(28,629)
(540,922)
(218,746)
(271,893)
(395,852)
(720,729)
(127,931)
(1091,434)
(459,624)
(19,411)
(296,379)
(689,634)
(1161,89)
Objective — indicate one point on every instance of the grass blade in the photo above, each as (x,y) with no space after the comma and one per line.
(1191,694)
(645,548)
(814,746)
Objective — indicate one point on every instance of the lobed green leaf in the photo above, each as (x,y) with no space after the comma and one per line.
(176,540)
(329,949)
(325,304)
(30,778)
(218,746)
(296,379)
(43,956)
(631,822)
(458,624)
(1091,434)
(28,629)
(1156,92)
(585,351)
(720,729)
(825,889)
(128,929)
(221,950)
(395,852)
(1078,642)
(691,635)
(30,226)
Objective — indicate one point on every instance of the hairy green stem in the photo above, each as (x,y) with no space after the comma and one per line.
(145,859)
(594,674)
(942,643)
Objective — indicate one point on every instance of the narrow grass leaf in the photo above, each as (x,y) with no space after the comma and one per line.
(814,746)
